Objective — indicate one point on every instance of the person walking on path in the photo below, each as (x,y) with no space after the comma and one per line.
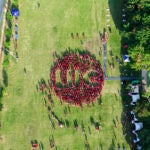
(105,39)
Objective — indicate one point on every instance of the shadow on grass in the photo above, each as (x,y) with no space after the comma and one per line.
(116,11)
(5,78)
(5,83)
(144,133)
(143,108)
(41,146)
(75,123)
(112,146)
(1,95)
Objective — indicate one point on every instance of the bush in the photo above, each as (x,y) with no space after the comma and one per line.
(6,61)
(6,45)
(9,18)
(15,4)
(8,34)
(1,91)
(5,93)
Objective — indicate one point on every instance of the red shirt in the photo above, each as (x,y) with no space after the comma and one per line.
(125,46)
(35,145)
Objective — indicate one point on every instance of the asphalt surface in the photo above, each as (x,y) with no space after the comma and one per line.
(2,2)
(122,78)
(111,77)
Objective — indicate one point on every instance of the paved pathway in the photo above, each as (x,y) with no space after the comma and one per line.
(121,78)
(105,63)
(2,2)
(111,77)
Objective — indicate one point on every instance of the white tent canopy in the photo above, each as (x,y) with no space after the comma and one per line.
(138,125)
(135,88)
(135,97)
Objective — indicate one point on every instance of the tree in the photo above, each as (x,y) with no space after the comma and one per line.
(138,33)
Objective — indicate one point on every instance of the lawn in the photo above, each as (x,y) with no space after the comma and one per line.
(43,31)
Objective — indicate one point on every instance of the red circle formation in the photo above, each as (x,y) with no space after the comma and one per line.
(82,91)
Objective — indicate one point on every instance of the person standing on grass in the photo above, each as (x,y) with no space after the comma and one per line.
(17,57)
(16,36)
(105,39)
(16,28)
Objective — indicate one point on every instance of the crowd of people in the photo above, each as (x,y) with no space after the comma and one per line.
(83,91)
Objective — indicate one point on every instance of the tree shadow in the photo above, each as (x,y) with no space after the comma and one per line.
(145,132)
(82,126)
(52,122)
(65,111)
(114,122)
(50,99)
(89,129)
(114,6)
(117,11)
(92,120)
(1,94)
(100,102)
(67,123)
(41,146)
(112,146)
(42,85)
(5,78)
(51,141)
(75,123)
(101,146)
(119,146)
(86,144)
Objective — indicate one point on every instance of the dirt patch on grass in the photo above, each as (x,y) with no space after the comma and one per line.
(2,139)
(111,87)
(4,109)
(93,44)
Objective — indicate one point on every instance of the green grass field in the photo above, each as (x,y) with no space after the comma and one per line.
(43,31)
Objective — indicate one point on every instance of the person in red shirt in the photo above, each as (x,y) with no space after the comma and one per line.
(125,45)
(35,145)
(105,37)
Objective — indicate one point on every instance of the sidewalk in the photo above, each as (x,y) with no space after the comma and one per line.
(2,2)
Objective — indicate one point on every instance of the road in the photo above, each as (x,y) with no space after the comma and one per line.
(2,2)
